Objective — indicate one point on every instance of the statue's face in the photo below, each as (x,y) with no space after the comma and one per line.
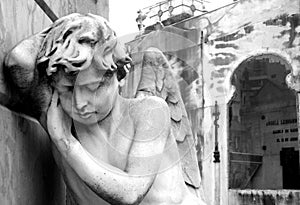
(83,55)
(87,99)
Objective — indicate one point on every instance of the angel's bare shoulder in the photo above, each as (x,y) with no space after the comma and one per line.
(150,110)
(140,106)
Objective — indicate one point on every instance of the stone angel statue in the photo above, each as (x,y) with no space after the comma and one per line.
(110,150)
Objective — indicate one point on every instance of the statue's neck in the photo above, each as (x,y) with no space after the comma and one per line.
(111,122)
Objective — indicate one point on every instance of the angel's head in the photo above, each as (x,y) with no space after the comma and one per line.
(84,61)
(76,42)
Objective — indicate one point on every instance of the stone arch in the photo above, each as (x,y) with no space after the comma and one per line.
(258,103)
(283,56)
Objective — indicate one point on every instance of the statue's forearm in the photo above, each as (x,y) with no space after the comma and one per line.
(110,183)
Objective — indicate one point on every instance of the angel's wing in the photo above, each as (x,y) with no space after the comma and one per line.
(157,80)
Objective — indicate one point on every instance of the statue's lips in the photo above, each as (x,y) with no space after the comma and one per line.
(86,114)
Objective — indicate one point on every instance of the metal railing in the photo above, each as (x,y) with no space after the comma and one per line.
(166,9)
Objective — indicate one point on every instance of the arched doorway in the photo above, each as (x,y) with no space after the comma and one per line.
(263,132)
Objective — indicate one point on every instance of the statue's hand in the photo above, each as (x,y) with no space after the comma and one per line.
(58,122)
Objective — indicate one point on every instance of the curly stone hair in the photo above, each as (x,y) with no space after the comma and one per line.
(76,41)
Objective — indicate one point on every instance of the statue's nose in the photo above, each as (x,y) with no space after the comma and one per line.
(80,106)
(78,100)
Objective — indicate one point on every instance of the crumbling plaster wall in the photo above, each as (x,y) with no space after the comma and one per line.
(28,174)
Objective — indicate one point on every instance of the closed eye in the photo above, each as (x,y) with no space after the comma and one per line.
(106,77)
(107,50)
(95,86)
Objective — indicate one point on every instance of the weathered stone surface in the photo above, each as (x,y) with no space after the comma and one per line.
(28,173)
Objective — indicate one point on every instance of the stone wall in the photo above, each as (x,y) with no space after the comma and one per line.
(28,174)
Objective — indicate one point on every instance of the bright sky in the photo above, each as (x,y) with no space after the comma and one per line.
(122,14)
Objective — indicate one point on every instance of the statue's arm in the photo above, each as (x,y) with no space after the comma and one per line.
(110,183)
(27,92)
(21,60)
